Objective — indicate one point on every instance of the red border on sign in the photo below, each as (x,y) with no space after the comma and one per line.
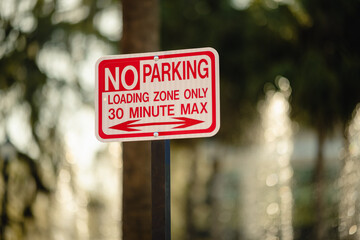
(128,136)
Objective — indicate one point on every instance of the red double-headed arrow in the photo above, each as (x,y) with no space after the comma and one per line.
(130,125)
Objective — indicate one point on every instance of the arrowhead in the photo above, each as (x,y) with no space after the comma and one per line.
(187,122)
(125,126)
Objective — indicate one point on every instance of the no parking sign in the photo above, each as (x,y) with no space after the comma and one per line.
(158,95)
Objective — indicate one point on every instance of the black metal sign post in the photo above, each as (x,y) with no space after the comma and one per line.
(160,190)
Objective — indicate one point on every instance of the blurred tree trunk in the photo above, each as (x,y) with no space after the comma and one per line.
(140,26)
(140,34)
(319,185)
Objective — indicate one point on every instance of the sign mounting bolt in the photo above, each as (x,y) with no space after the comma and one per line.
(156,58)
(156,134)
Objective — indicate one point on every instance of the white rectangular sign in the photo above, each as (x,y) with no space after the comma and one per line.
(158,95)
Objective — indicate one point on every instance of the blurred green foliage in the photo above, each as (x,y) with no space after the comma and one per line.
(312,43)
(28,27)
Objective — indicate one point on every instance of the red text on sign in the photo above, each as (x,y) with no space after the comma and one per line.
(193,108)
(176,70)
(152,111)
(166,95)
(195,93)
(128,98)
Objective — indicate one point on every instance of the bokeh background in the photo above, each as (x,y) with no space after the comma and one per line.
(284,165)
